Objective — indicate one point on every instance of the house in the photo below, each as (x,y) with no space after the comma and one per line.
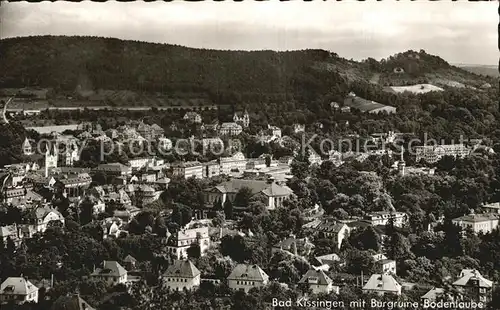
(313,157)
(149,132)
(179,243)
(188,169)
(164,144)
(491,207)
(328,260)
(130,262)
(473,284)
(299,128)
(319,282)
(367,106)
(192,117)
(18,290)
(242,119)
(111,272)
(382,218)
(382,284)
(230,129)
(386,266)
(41,216)
(485,222)
(245,277)
(294,246)
(333,229)
(71,302)
(433,153)
(434,294)
(182,274)
(274,193)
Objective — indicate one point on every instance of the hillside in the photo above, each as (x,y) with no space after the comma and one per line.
(121,72)
(482,69)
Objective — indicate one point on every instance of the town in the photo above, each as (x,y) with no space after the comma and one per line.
(249,155)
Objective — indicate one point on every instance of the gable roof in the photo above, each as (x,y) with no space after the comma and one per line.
(182,268)
(328,258)
(74,302)
(110,269)
(17,286)
(248,272)
(317,277)
(129,259)
(474,275)
(256,186)
(382,282)
(433,293)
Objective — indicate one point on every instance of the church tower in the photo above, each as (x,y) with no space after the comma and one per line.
(401,163)
(246,119)
(51,158)
(27,148)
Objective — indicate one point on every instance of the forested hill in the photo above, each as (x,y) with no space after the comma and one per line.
(94,67)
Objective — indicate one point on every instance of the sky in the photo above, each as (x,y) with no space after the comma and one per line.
(460,32)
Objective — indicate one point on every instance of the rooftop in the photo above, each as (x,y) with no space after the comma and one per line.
(182,268)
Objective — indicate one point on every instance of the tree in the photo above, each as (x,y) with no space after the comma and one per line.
(367,239)
(194,251)
(242,198)
(228,209)
(86,212)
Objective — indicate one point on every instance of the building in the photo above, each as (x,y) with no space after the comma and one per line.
(211,169)
(138,163)
(434,294)
(182,274)
(41,216)
(299,128)
(230,129)
(111,272)
(193,117)
(274,193)
(130,262)
(333,229)
(51,158)
(367,106)
(237,162)
(433,153)
(149,132)
(328,260)
(491,207)
(318,282)
(294,246)
(242,119)
(188,169)
(386,266)
(484,223)
(382,218)
(473,284)
(164,144)
(73,185)
(179,243)
(18,290)
(71,302)
(115,169)
(245,277)
(27,148)
(382,284)
(314,158)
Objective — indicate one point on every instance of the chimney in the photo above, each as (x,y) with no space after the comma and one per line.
(51,280)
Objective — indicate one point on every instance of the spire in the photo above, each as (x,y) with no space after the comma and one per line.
(402,152)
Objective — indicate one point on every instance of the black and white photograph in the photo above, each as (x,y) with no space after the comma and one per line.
(249,155)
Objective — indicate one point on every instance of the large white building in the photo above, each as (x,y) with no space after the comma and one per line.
(180,275)
(275,194)
(484,223)
(18,290)
(382,218)
(235,162)
(188,169)
(230,129)
(180,243)
(433,153)
(245,277)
